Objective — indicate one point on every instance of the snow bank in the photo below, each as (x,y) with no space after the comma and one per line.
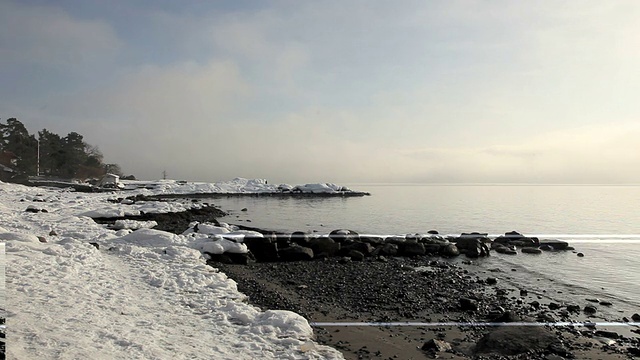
(144,294)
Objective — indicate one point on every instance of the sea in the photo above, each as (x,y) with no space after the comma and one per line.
(600,221)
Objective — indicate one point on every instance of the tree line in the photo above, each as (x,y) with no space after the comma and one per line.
(50,154)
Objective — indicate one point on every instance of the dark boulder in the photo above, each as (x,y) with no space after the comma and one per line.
(450,250)
(300,238)
(607,334)
(283,240)
(264,249)
(531,250)
(555,244)
(356,255)
(432,248)
(590,309)
(635,317)
(388,249)
(411,248)
(432,232)
(296,253)
(373,240)
(325,246)
(468,304)
(365,248)
(472,246)
(394,240)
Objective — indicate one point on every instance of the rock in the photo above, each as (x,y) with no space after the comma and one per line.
(263,248)
(546,248)
(341,235)
(513,235)
(593,300)
(580,255)
(220,258)
(373,240)
(409,248)
(433,248)
(505,250)
(356,255)
(531,250)
(42,239)
(32,209)
(283,240)
(523,292)
(388,249)
(535,304)
(300,238)
(53,233)
(244,209)
(635,317)
(633,351)
(507,316)
(241,258)
(450,250)
(547,317)
(394,240)
(607,334)
(432,232)
(605,303)
(436,345)
(559,349)
(555,244)
(590,309)
(513,340)
(473,247)
(573,308)
(325,245)
(296,253)
(468,304)
(554,306)
(491,281)
(365,248)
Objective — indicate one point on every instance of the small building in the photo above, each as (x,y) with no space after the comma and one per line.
(110,181)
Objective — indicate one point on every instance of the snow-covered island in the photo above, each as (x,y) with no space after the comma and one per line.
(78,289)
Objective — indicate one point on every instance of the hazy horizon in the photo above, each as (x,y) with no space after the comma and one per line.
(343,92)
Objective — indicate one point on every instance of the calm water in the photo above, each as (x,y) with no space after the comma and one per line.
(601,214)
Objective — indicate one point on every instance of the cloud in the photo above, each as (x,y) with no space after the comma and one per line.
(452,91)
(587,154)
(50,37)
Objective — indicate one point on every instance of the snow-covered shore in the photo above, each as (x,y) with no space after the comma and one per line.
(235,186)
(144,294)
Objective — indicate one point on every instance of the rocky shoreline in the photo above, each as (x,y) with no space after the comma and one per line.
(425,290)
(347,277)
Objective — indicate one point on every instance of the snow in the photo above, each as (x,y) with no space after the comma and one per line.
(237,185)
(133,224)
(144,294)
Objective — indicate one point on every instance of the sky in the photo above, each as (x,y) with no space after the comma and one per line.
(334,91)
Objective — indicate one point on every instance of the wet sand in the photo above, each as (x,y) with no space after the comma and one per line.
(391,290)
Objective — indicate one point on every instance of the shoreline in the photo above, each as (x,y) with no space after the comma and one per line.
(393,291)
(330,290)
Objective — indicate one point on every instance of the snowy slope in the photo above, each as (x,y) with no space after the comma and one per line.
(145,294)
